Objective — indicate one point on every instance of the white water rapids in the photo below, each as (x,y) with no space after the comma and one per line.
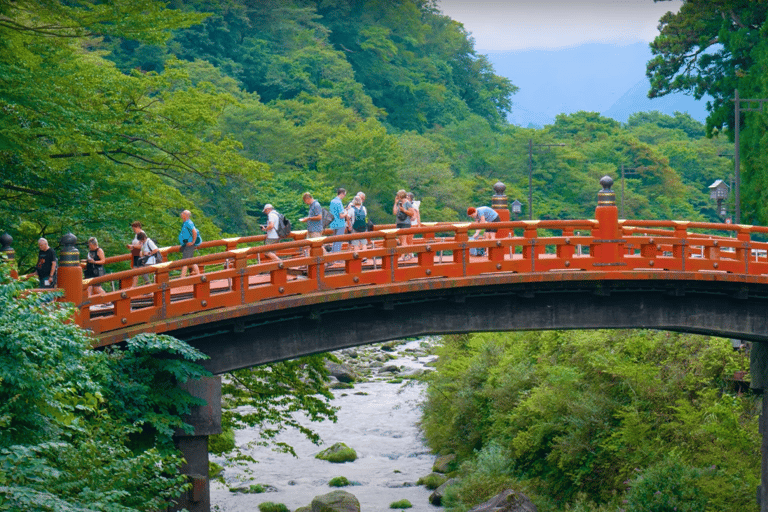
(380,425)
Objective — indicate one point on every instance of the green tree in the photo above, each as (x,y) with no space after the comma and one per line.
(82,429)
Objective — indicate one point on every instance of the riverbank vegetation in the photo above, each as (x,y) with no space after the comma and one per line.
(595,420)
(82,429)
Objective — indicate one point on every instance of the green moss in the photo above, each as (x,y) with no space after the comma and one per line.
(339,481)
(214,470)
(400,504)
(432,480)
(219,444)
(268,506)
(342,385)
(338,453)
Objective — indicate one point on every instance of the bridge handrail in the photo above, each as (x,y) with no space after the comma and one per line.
(238,273)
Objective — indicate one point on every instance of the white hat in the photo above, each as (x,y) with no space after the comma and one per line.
(268,207)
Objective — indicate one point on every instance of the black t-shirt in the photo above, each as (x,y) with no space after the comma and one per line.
(45,261)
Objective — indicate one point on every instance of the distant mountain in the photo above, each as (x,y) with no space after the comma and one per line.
(603,78)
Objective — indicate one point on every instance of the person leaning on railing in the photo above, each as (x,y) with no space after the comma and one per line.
(483,214)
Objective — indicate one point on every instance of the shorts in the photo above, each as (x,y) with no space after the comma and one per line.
(137,261)
(270,241)
(498,219)
(400,225)
(188,251)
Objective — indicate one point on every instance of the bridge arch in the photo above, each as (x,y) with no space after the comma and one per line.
(331,321)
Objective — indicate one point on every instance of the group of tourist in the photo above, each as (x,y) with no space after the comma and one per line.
(350,219)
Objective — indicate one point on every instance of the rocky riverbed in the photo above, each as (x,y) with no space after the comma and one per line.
(377,418)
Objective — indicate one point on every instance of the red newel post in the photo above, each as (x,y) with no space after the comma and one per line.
(70,275)
(500,204)
(607,233)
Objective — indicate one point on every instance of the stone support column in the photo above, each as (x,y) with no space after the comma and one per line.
(758,369)
(206,420)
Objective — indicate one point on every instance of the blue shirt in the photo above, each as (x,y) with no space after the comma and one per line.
(186,232)
(336,209)
(314,210)
(488,214)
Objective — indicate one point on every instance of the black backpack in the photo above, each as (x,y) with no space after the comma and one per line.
(283,226)
(359,223)
(327,218)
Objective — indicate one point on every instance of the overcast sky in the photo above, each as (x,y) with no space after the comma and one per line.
(511,25)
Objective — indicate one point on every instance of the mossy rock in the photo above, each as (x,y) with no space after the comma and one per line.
(221,443)
(400,504)
(268,506)
(253,489)
(339,481)
(432,481)
(444,464)
(338,453)
(336,501)
(341,385)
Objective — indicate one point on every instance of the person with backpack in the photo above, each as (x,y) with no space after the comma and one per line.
(358,217)
(403,212)
(314,218)
(94,265)
(189,239)
(339,223)
(273,218)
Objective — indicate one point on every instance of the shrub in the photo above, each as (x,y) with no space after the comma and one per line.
(669,486)
(400,504)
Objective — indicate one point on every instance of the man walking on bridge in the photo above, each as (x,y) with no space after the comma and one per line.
(187,240)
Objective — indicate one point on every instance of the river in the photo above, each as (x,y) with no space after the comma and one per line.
(376,418)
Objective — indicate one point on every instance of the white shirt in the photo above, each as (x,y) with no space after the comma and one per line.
(274,219)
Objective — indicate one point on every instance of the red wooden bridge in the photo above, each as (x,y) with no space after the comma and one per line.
(244,309)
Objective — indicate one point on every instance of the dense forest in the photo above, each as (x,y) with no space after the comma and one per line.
(119,111)
(135,113)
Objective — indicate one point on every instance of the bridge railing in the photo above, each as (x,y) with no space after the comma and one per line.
(238,275)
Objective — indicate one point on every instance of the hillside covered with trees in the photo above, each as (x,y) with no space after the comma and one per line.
(121,110)
(135,113)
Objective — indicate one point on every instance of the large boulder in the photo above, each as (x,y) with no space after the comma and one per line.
(339,452)
(444,464)
(436,498)
(342,372)
(507,501)
(336,501)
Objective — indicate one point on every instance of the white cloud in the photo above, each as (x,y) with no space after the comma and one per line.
(516,25)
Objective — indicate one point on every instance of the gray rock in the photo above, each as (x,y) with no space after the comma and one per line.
(390,368)
(443,464)
(507,501)
(436,498)
(336,501)
(341,371)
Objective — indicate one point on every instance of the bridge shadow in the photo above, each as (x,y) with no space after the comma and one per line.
(326,321)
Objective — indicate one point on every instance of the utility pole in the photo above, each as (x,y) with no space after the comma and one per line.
(631,171)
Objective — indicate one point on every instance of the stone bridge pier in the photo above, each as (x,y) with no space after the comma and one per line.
(206,419)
